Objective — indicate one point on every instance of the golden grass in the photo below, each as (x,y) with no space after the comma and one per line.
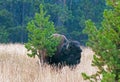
(16,66)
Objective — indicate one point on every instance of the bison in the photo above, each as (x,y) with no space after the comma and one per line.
(68,52)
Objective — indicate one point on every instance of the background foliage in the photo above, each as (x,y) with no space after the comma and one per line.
(68,16)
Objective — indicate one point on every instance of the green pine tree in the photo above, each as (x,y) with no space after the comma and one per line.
(105,42)
(3,35)
(40,41)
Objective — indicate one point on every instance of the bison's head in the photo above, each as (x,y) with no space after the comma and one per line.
(72,53)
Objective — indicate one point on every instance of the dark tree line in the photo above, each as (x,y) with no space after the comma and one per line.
(69,17)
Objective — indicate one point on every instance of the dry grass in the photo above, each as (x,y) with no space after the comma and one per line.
(16,66)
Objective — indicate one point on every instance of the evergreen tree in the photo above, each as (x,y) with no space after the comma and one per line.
(3,35)
(6,22)
(40,42)
(105,42)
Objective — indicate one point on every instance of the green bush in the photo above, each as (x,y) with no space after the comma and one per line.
(105,42)
(40,42)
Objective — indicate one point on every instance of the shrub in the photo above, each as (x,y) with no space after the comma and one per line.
(105,42)
(40,42)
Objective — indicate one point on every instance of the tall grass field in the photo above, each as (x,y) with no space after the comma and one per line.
(16,66)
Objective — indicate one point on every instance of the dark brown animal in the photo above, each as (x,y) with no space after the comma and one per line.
(67,53)
(70,54)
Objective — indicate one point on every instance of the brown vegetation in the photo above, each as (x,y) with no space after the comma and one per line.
(16,66)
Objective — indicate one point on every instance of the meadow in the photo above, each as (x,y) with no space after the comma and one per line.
(16,66)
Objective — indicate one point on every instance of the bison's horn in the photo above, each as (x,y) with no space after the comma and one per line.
(67,44)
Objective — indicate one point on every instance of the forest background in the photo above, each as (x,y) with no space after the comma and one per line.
(69,17)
